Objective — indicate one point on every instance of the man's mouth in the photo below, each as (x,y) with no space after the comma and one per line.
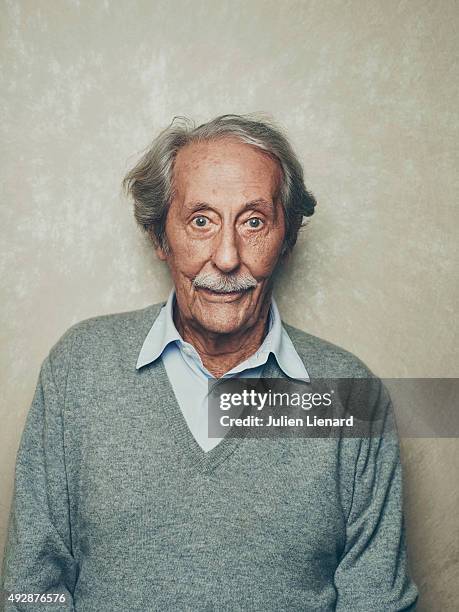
(222,296)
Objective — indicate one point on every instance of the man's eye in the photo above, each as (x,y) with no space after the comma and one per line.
(254,223)
(200,221)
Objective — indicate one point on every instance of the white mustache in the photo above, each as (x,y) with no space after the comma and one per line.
(224,284)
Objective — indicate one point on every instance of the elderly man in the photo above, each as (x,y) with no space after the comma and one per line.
(122,500)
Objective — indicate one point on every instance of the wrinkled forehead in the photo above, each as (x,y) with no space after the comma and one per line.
(226,165)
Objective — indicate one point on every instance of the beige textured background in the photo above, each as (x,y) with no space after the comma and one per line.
(367,92)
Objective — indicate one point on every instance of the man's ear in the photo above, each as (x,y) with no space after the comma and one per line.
(160,253)
(285,255)
(159,248)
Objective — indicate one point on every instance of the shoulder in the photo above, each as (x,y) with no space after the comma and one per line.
(100,327)
(325,359)
(359,387)
(98,338)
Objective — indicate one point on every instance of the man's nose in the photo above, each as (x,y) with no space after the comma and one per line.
(226,253)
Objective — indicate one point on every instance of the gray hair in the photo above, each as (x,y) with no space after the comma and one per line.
(150,182)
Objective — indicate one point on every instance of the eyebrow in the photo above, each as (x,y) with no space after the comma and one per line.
(253,204)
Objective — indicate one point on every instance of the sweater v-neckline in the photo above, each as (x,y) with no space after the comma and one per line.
(195,457)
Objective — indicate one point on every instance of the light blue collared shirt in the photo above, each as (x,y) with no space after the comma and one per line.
(188,376)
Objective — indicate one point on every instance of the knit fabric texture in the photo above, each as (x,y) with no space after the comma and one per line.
(117,506)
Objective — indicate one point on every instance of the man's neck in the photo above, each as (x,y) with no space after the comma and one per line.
(220,353)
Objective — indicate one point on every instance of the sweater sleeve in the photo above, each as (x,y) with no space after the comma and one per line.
(373,570)
(38,554)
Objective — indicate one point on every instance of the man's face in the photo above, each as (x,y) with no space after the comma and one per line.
(225,230)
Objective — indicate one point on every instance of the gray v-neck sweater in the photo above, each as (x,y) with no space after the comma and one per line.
(118,507)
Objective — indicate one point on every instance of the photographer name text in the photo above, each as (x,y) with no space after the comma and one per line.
(284,421)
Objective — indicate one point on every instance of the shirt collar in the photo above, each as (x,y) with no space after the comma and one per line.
(277,342)
(162,333)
